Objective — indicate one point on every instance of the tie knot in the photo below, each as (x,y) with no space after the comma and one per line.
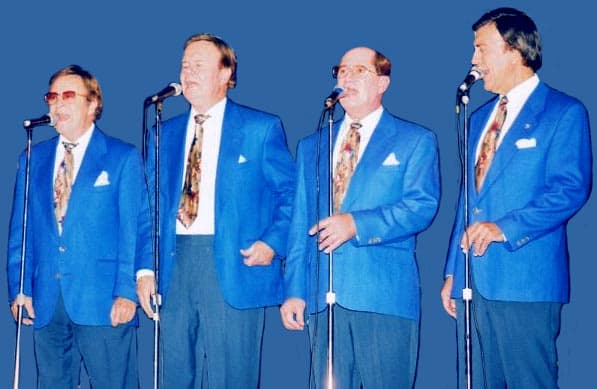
(201,118)
(68,146)
(503,102)
(355,126)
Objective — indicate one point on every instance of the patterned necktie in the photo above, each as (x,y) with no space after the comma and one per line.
(63,184)
(488,147)
(347,161)
(189,199)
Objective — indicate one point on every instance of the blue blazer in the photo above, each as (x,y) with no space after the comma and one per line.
(392,196)
(539,179)
(253,200)
(107,224)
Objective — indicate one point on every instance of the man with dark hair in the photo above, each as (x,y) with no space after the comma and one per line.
(530,154)
(385,192)
(79,279)
(227,183)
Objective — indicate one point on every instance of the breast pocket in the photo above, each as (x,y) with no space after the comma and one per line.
(390,178)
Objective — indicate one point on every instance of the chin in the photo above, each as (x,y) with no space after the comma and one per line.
(347,103)
(488,87)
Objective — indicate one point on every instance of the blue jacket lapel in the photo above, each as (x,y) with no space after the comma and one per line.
(91,167)
(478,121)
(323,170)
(230,149)
(45,183)
(522,126)
(172,161)
(231,138)
(377,150)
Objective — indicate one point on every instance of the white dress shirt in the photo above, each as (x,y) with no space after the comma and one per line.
(368,124)
(78,152)
(204,223)
(516,99)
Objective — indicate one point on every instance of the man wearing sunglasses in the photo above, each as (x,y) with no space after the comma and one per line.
(88,220)
(385,191)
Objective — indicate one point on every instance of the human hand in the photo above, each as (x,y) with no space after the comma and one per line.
(334,231)
(292,313)
(258,254)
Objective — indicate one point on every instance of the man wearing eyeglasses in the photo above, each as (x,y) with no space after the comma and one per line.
(88,221)
(226,185)
(385,191)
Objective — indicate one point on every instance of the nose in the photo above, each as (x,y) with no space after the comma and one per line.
(351,74)
(58,104)
(184,71)
(348,79)
(475,59)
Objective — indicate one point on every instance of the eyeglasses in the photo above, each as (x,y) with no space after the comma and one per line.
(67,96)
(357,71)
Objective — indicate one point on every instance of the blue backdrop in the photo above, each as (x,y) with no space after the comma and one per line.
(285,51)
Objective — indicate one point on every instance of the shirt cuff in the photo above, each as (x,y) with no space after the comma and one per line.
(144,272)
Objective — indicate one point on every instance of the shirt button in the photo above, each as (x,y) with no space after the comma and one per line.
(62,249)
(58,276)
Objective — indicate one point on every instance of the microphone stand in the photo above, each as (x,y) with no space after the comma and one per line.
(330,296)
(156,298)
(20,299)
(467,292)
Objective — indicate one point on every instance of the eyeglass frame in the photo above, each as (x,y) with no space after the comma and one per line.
(337,68)
(65,96)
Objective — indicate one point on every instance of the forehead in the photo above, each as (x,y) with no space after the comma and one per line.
(68,82)
(488,34)
(201,51)
(358,56)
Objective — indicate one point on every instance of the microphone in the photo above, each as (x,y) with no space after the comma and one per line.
(333,98)
(40,121)
(473,76)
(173,89)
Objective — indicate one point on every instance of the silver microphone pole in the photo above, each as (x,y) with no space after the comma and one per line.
(467,292)
(173,89)
(156,297)
(330,296)
(20,300)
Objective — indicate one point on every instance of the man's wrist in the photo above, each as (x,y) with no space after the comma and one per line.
(144,272)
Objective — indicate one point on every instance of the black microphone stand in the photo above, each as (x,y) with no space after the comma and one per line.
(20,299)
(156,298)
(467,292)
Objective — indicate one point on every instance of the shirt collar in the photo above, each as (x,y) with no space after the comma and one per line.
(216,110)
(518,95)
(369,121)
(83,140)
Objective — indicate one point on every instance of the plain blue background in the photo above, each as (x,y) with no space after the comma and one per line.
(285,51)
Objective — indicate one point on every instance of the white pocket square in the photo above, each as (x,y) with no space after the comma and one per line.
(102,179)
(391,160)
(242,159)
(525,143)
